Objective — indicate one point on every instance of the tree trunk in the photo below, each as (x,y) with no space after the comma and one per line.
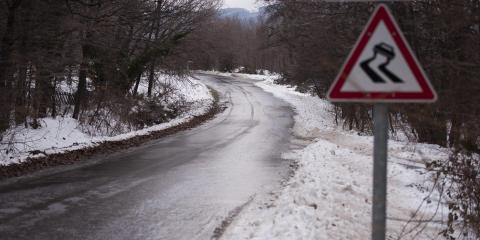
(6,76)
(151,79)
(81,90)
(42,92)
(137,84)
(21,94)
(53,98)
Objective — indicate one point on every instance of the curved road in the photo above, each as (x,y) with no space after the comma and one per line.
(179,187)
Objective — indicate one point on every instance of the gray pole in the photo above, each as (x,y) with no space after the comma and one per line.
(380,118)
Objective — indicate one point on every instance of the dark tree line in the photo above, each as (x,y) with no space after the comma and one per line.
(444,35)
(229,43)
(100,47)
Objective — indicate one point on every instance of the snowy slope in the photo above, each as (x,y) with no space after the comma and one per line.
(65,134)
(329,196)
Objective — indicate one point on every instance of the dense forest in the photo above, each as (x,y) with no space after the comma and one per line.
(105,47)
(101,48)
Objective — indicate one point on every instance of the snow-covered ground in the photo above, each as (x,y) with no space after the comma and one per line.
(62,134)
(329,195)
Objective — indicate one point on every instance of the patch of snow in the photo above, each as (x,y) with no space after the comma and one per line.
(182,88)
(264,76)
(330,194)
(64,134)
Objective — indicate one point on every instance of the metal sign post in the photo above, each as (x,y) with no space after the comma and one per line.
(379,220)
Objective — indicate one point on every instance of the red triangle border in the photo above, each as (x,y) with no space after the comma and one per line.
(428,94)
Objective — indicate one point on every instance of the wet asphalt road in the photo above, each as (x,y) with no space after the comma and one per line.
(179,187)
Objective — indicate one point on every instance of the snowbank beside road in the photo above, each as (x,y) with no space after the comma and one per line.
(329,196)
(63,134)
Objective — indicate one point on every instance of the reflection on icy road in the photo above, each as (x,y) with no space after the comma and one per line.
(178,187)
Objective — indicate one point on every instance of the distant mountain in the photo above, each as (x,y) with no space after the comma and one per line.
(239,13)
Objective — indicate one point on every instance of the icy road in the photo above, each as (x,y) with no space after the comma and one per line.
(179,187)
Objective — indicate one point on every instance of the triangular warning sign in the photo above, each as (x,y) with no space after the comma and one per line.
(382,67)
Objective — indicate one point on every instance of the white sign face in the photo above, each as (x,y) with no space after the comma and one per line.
(380,50)
(381,67)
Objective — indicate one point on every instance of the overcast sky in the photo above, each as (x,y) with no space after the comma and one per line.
(248,4)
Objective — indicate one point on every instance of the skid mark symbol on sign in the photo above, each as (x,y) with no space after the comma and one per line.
(388,52)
